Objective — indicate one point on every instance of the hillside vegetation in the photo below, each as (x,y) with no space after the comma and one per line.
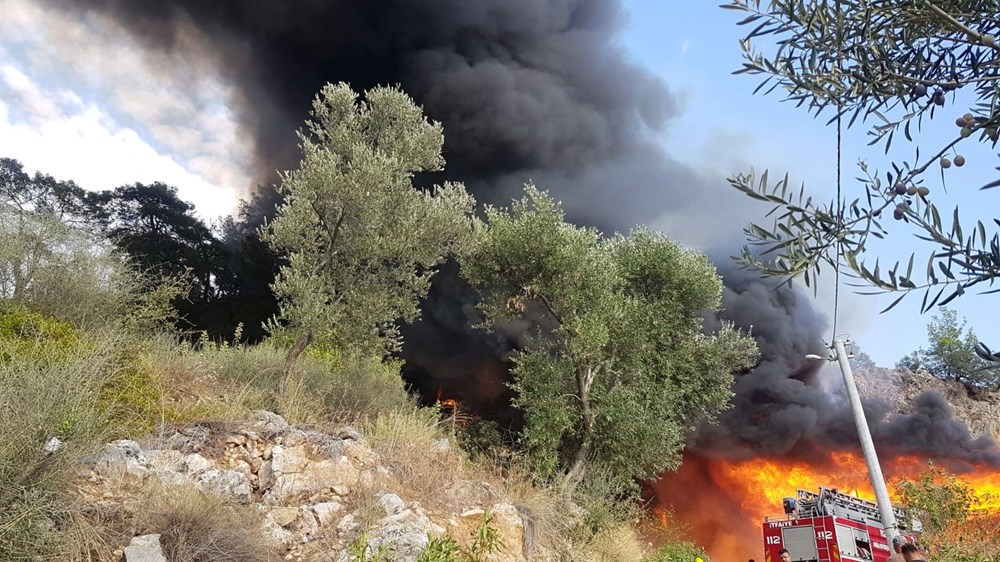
(141,410)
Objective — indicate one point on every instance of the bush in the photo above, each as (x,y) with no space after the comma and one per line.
(44,394)
(677,552)
(32,335)
(361,387)
(197,526)
(221,380)
(481,545)
(133,397)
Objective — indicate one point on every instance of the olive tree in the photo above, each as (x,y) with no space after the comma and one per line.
(951,353)
(360,241)
(617,368)
(891,67)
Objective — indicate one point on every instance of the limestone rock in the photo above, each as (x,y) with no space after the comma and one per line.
(406,533)
(391,503)
(297,471)
(326,512)
(227,483)
(348,432)
(267,421)
(121,458)
(145,549)
(195,463)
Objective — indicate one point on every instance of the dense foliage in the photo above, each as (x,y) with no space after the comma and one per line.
(361,242)
(616,368)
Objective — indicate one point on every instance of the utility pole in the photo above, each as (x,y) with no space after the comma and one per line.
(867,446)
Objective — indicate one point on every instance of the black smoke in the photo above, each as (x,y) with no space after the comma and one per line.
(526,90)
(781,410)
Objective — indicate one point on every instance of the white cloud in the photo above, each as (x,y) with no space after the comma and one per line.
(80,100)
(79,146)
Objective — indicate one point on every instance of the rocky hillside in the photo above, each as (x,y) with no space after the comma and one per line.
(296,494)
(980,410)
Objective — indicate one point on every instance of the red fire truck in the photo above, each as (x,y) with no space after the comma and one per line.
(830,526)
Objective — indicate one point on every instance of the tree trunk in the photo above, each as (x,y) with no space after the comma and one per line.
(293,354)
(576,472)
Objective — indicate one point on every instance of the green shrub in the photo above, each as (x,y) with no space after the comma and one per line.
(441,549)
(361,387)
(47,393)
(486,541)
(607,501)
(133,397)
(33,335)
(677,552)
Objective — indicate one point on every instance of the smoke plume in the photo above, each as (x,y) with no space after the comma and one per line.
(524,89)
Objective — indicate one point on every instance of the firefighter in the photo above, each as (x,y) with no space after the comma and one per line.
(784,555)
(912,554)
(897,545)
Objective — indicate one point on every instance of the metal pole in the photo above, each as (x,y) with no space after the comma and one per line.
(867,446)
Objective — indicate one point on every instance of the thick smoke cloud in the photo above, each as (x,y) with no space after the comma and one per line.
(526,89)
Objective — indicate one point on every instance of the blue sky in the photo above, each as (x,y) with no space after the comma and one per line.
(122,120)
(695,49)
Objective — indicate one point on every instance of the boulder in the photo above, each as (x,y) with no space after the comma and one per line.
(145,549)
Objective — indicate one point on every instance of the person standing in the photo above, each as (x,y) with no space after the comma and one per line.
(897,546)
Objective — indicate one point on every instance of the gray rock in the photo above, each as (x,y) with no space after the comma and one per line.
(267,421)
(120,458)
(391,503)
(189,439)
(52,445)
(265,476)
(326,446)
(195,463)
(165,460)
(227,483)
(406,533)
(145,549)
(326,512)
(348,432)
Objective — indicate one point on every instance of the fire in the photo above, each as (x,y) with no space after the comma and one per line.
(725,502)
(451,408)
(449,403)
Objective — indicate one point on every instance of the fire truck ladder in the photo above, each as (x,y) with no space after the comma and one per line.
(833,502)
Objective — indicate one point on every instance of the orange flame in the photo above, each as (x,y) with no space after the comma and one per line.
(725,502)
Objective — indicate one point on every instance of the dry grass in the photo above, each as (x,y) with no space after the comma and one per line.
(197,526)
(219,381)
(546,523)
(424,464)
(613,544)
